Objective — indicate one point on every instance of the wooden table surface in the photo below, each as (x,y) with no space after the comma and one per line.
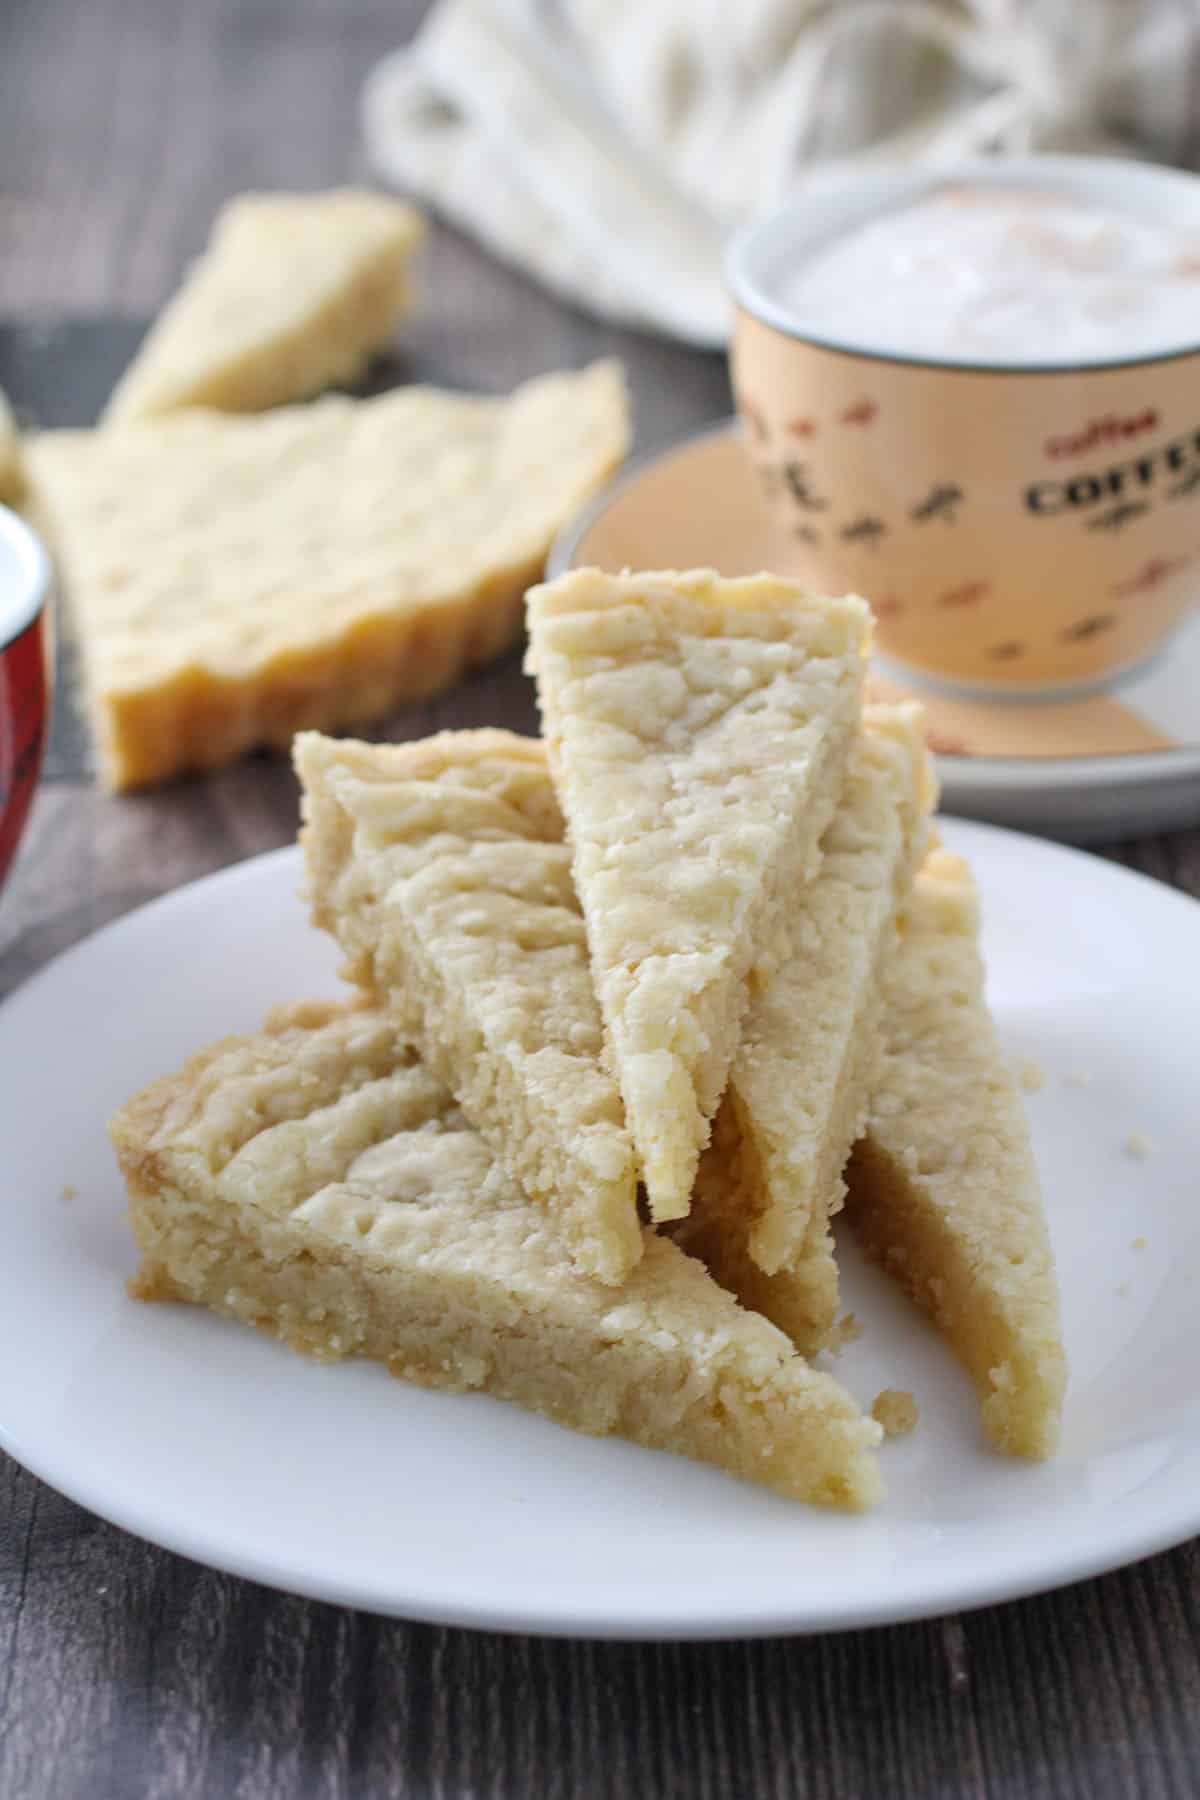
(126,1671)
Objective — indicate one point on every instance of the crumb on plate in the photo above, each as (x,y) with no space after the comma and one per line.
(896,1410)
(846,1331)
(1138,1145)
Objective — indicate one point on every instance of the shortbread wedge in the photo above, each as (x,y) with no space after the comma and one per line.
(234,580)
(943,1189)
(440,868)
(801,1080)
(294,293)
(698,731)
(316,1181)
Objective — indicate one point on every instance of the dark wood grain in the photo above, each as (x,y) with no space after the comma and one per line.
(126,1671)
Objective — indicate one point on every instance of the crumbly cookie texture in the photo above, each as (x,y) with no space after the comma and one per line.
(294,293)
(943,1189)
(10,455)
(440,868)
(800,1082)
(698,731)
(234,580)
(318,1182)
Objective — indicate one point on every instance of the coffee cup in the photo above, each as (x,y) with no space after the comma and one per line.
(1024,520)
(24,675)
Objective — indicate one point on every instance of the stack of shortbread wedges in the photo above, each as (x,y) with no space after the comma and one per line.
(634,1003)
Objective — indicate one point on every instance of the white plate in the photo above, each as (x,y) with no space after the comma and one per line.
(1117,764)
(341,1483)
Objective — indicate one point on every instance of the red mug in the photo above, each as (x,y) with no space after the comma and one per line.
(24,675)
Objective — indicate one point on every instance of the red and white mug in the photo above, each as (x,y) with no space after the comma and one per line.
(25,663)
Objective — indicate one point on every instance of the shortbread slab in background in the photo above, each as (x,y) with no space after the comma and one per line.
(698,731)
(234,580)
(440,868)
(10,455)
(802,1077)
(294,293)
(318,1182)
(944,1193)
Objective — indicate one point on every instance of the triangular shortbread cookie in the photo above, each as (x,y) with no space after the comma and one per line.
(801,1080)
(698,731)
(234,580)
(440,868)
(316,1181)
(943,1188)
(294,292)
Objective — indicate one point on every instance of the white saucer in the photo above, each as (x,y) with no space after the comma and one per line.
(1116,765)
(341,1483)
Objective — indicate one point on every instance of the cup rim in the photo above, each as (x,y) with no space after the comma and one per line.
(21,609)
(1090,175)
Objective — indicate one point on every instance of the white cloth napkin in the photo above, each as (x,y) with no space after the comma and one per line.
(608,147)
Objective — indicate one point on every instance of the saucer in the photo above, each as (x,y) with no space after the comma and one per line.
(1118,764)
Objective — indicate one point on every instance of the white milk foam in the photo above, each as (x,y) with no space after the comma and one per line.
(1003,275)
